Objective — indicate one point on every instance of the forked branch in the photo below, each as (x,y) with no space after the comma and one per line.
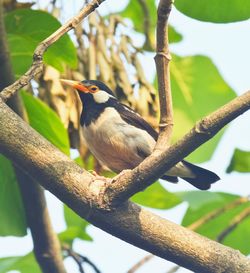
(37,65)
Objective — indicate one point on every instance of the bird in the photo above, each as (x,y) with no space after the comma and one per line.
(121,139)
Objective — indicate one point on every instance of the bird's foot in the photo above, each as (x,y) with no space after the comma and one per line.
(97,176)
(122,173)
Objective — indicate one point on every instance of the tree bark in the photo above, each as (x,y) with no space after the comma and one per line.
(46,244)
(80,191)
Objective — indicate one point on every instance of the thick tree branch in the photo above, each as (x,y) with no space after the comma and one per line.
(80,191)
(46,244)
(162,60)
(130,182)
(37,65)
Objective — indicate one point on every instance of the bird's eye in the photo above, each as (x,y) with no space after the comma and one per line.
(93,88)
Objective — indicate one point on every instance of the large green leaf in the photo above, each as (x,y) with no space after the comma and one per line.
(216,11)
(156,197)
(26,28)
(198,89)
(45,121)
(202,203)
(76,227)
(11,208)
(240,162)
(23,264)
(135,12)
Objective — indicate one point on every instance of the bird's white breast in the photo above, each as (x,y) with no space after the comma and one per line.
(116,143)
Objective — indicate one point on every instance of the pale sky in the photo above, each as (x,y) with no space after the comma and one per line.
(228,46)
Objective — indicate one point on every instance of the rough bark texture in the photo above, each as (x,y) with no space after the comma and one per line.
(46,244)
(80,191)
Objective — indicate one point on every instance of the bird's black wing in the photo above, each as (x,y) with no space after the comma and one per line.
(132,118)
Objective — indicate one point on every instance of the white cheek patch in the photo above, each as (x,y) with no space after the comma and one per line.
(101,96)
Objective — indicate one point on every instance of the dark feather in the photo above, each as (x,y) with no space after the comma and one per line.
(203,178)
(132,118)
(172,179)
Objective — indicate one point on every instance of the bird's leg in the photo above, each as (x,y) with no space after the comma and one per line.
(96,175)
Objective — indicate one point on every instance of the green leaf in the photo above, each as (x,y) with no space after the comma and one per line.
(156,197)
(26,28)
(71,233)
(135,12)
(76,227)
(202,203)
(22,264)
(198,89)
(240,162)
(45,121)
(216,11)
(12,214)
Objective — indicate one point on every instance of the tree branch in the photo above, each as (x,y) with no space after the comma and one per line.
(130,182)
(140,263)
(47,247)
(46,244)
(80,191)
(195,225)
(234,223)
(162,60)
(80,259)
(37,65)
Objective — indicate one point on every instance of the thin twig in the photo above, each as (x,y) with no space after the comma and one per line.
(174,269)
(140,263)
(162,60)
(77,259)
(234,223)
(37,65)
(80,259)
(215,213)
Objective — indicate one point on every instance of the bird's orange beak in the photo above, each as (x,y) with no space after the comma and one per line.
(75,84)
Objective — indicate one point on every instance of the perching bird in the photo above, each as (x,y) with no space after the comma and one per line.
(120,138)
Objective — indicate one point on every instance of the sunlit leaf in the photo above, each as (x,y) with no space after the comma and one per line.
(76,227)
(135,12)
(22,264)
(11,207)
(198,89)
(216,11)
(202,203)
(240,162)
(24,36)
(156,197)
(45,121)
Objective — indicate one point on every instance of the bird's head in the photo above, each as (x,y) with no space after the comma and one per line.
(90,89)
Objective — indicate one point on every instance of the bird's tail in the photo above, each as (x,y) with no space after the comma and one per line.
(201,178)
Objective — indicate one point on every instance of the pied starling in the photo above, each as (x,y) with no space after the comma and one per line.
(120,138)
